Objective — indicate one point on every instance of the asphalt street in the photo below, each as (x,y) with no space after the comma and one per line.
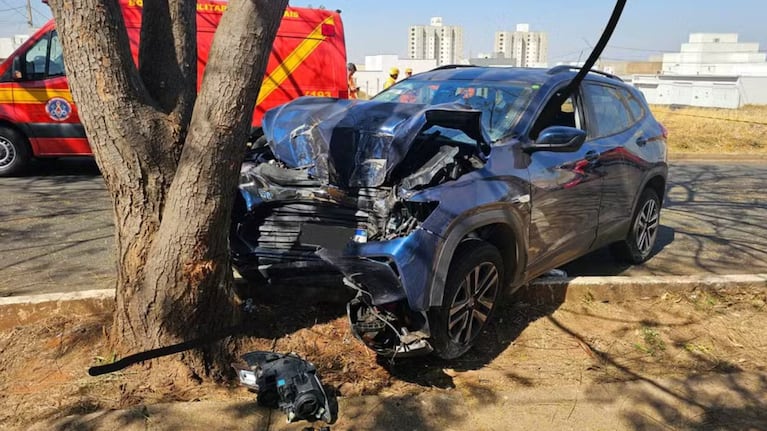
(56,231)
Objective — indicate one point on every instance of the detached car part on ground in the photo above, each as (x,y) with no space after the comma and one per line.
(446,191)
(286,382)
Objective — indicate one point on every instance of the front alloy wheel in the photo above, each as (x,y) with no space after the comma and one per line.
(473,302)
(472,290)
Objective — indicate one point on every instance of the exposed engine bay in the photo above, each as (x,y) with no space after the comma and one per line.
(330,176)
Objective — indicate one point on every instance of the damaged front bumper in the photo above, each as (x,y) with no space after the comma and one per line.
(314,234)
(388,330)
(389,312)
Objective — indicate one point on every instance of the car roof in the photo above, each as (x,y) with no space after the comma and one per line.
(539,76)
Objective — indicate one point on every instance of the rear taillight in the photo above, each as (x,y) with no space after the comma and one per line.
(663,131)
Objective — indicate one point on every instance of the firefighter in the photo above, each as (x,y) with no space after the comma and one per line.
(354,90)
(408,73)
(393,75)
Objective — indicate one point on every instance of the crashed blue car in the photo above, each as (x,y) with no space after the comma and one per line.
(446,191)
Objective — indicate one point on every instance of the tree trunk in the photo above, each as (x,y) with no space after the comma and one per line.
(170,158)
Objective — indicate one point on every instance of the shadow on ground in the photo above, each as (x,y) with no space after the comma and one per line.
(603,263)
(710,225)
(56,229)
(647,384)
(507,324)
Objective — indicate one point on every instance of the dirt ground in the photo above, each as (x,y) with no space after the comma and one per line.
(587,341)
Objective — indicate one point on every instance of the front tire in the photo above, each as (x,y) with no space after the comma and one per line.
(14,152)
(640,241)
(473,287)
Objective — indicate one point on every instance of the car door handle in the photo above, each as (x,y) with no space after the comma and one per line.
(591,156)
(641,141)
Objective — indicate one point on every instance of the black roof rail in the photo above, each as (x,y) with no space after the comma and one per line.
(453,66)
(566,68)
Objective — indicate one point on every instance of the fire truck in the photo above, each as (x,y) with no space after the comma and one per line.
(38,118)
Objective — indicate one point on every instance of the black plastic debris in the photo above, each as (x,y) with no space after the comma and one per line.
(286,382)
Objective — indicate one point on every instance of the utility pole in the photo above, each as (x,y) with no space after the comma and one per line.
(29,15)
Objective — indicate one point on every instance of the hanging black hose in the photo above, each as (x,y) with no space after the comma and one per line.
(600,46)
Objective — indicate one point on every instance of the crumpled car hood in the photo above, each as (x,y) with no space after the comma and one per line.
(353,143)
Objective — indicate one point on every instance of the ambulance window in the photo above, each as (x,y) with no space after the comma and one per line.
(56,62)
(34,60)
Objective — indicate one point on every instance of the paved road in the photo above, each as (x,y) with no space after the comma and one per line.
(56,227)
(55,230)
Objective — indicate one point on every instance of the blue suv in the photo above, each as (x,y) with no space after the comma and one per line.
(446,191)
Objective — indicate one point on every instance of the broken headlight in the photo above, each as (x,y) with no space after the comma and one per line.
(286,382)
(407,216)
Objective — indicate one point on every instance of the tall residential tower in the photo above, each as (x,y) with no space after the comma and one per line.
(527,48)
(436,41)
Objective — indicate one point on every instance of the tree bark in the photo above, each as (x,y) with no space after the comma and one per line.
(170,158)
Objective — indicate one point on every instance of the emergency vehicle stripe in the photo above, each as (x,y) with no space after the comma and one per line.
(32,95)
(292,61)
(6,95)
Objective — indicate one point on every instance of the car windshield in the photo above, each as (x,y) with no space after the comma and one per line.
(501,103)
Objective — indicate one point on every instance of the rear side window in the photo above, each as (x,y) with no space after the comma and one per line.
(635,106)
(608,112)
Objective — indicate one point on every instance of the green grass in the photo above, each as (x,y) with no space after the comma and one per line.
(652,344)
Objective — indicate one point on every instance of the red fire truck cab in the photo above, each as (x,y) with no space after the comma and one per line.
(39,119)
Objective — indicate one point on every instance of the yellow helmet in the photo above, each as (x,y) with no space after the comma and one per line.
(394,71)
(409,70)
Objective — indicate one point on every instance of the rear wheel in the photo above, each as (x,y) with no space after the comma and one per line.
(639,244)
(473,287)
(14,152)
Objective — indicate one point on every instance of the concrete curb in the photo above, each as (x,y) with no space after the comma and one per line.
(620,288)
(56,297)
(692,157)
(22,310)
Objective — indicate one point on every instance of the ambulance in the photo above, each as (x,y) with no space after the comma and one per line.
(38,118)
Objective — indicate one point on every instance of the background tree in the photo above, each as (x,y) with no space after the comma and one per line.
(170,157)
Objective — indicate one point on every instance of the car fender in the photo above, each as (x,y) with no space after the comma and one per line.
(659,170)
(509,214)
(7,121)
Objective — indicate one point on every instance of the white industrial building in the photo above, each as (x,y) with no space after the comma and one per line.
(730,92)
(372,75)
(436,41)
(716,54)
(526,48)
(711,70)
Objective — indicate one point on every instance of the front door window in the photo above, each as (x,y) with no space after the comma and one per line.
(55,57)
(35,61)
(45,59)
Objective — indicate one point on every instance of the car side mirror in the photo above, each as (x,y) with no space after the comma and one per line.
(16,70)
(560,139)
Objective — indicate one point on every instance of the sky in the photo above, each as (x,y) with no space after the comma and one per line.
(378,27)
(648,27)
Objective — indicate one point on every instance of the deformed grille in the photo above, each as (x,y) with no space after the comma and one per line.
(278,227)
